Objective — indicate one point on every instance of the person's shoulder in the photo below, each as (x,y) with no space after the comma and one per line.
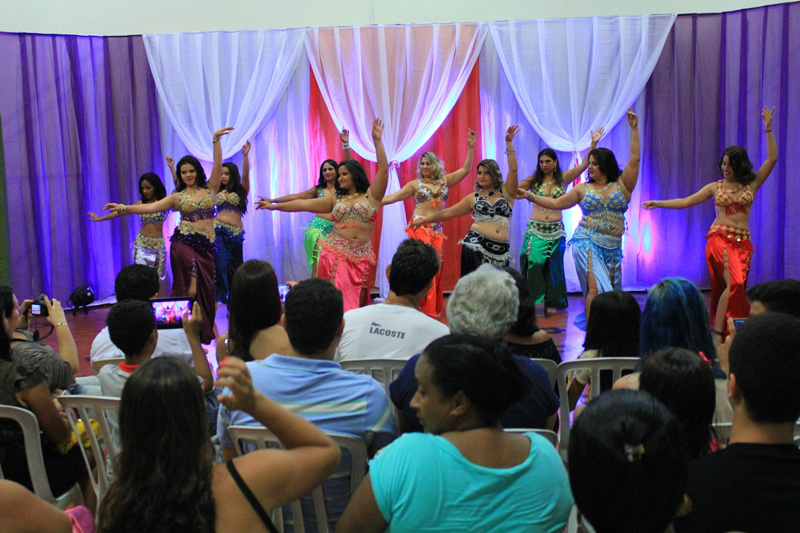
(531,368)
(103,348)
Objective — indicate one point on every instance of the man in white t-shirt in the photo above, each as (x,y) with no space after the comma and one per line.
(396,329)
(140,282)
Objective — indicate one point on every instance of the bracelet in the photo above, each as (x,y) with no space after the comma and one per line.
(121,209)
(720,333)
(767,131)
(656,203)
(216,140)
(345,146)
(511,152)
(60,324)
(531,197)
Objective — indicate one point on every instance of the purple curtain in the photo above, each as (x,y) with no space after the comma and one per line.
(714,75)
(80,126)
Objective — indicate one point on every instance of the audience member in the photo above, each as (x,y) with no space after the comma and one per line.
(779,296)
(465,473)
(485,303)
(753,484)
(396,328)
(683,382)
(525,337)
(254,330)
(626,473)
(21,511)
(355,405)
(140,282)
(167,481)
(611,331)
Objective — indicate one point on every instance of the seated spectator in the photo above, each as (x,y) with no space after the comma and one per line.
(307,378)
(140,282)
(59,367)
(684,384)
(254,330)
(525,337)
(485,303)
(611,331)
(779,296)
(396,328)
(676,315)
(464,473)
(626,473)
(753,484)
(167,481)
(21,511)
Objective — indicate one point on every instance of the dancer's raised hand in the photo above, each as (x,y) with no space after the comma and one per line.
(766,116)
(511,132)
(471,137)
(344,136)
(377,129)
(222,131)
(170,162)
(597,135)
(633,120)
(246,148)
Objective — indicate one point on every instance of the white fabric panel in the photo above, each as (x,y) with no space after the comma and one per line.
(410,76)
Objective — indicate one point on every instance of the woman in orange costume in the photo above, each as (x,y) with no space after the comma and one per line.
(430,191)
(729,250)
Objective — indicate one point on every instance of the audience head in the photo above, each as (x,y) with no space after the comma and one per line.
(132,328)
(463,379)
(313,316)
(490,167)
(231,181)
(626,473)
(329,167)
(684,383)
(525,326)
(186,164)
(151,188)
(413,268)
(606,163)
(613,325)
(675,315)
(484,303)
(9,306)
(435,163)
(779,296)
(352,176)
(164,431)
(136,282)
(735,158)
(764,361)
(254,304)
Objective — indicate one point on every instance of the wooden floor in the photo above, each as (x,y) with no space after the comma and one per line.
(566,335)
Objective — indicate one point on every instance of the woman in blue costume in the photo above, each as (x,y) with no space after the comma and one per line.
(541,258)
(321,225)
(597,241)
(149,248)
(193,242)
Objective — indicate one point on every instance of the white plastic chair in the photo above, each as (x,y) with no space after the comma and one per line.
(33,452)
(617,365)
(551,367)
(104,450)
(97,365)
(546,433)
(379,369)
(263,438)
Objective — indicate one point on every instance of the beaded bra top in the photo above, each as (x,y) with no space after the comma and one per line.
(349,215)
(232,203)
(193,211)
(733,201)
(153,218)
(555,193)
(497,213)
(604,215)
(426,194)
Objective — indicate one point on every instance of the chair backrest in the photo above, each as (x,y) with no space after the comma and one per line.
(33,452)
(722,430)
(383,370)
(617,365)
(550,366)
(97,365)
(264,439)
(103,449)
(546,433)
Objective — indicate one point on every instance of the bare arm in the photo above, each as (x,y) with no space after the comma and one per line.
(246,167)
(378,187)
(772,149)
(461,208)
(171,165)
(165,204)
(305,195)
(699,197)
(316,205)
(67,349)
(630,175)
(408,190)
(94,218)
(54,426)
(216,169)
(454,178)
(192,327)
(344,136)
(362,514)
(22,510)
(512,180)
(573,173)
(563,202)
(574,392)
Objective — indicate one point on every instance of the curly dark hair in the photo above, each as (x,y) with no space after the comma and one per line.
(235,184)
(739,163)
(194,162)
(538,176)
(360,180)
(607,162)
(159,191)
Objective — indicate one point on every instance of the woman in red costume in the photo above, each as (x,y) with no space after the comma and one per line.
(729,250)
(430,191)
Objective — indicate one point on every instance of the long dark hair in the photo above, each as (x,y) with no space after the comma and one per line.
(740,164)
(613,327)
(235,184)
(254,304)
(322,182)
(201,174)
(493,169)
(164,469)
(360,180)
(159,191)
(525,326)
(607,162)
(6,308)
(538,176)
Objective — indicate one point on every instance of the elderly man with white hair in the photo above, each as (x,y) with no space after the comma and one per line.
(485,303)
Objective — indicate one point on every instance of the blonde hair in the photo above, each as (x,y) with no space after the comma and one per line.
(433,159)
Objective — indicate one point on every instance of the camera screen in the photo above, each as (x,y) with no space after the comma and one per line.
(36,309)
(283,290)
(169,312)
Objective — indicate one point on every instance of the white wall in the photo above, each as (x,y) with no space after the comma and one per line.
(132,17)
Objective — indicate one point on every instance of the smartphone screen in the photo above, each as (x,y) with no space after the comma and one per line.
(737,323)
(169,311)
(283,290)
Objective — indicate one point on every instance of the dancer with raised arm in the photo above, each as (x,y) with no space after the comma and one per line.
(541,258)
(597,241)
(431,190)
(321,225)
(728,249)
(346,259)
(491,205)
(192,244)
(149,248)
(231,203)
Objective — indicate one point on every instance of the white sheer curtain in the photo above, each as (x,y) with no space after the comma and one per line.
(213,79)
(410,76)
